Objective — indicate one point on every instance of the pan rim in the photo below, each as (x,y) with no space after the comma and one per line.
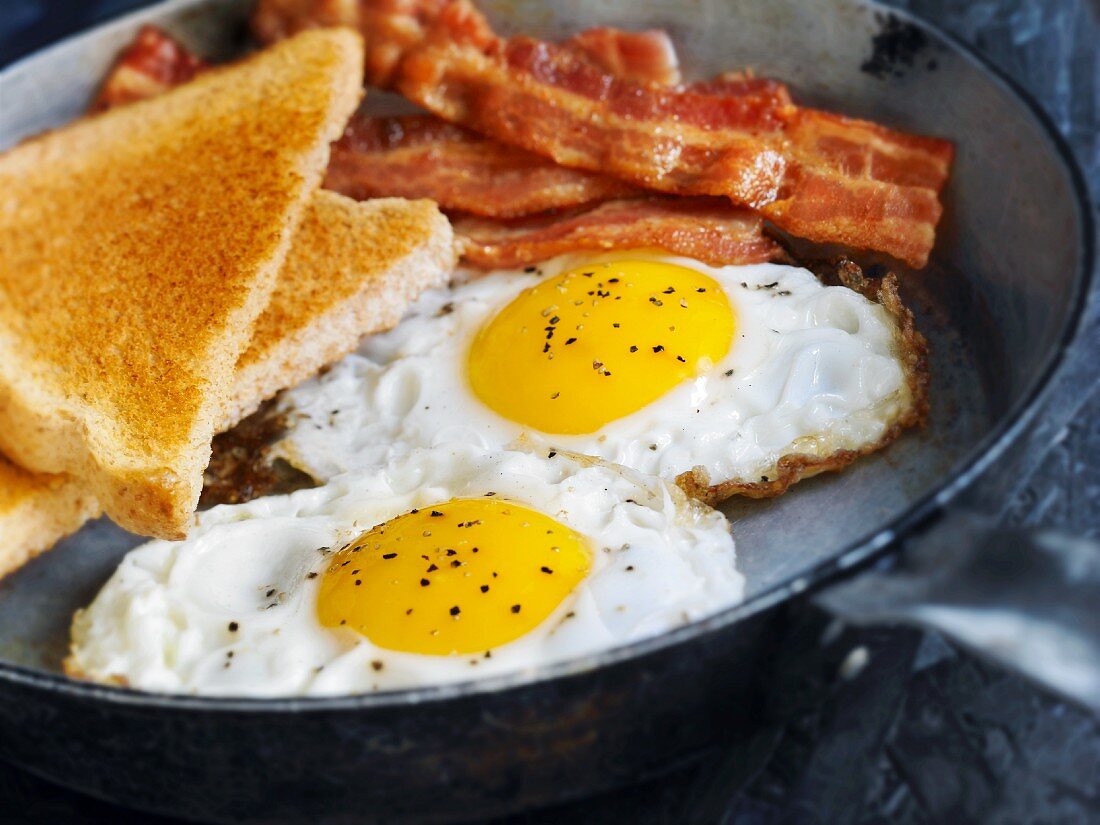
(872,545)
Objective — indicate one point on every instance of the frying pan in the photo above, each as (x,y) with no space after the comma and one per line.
(1000,304)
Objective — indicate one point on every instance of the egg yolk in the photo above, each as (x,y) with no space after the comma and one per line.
(463,576)
(599,342)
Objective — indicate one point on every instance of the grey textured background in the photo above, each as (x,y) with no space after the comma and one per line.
(922,733)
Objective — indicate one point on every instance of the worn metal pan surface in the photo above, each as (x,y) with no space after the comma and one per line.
(1000,304)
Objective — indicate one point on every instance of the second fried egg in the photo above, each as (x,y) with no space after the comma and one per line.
(444,566)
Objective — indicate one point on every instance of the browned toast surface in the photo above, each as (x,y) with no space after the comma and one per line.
(353,269)
(139,247)
(36,510)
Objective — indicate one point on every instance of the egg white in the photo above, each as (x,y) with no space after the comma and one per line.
(232,609)
(812,370)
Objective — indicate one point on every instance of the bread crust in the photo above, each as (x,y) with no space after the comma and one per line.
(37,510)
(139,248)
(353,269)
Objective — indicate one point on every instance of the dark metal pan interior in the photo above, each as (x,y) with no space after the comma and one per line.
(998,303)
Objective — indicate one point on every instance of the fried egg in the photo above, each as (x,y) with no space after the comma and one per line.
(661,364)
(446,565)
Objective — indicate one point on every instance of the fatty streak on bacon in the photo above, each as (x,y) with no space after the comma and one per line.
(822,177)
(707,229)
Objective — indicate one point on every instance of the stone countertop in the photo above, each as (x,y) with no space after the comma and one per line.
(883,725)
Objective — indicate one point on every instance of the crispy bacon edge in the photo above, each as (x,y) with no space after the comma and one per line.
(823,177)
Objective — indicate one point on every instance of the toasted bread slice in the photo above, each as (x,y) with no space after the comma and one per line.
(139,248)
(353,269)
(36,510)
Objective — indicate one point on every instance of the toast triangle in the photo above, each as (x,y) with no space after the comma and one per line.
(352,269)
(139,247)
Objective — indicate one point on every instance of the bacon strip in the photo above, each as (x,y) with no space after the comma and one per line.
(421,156)
(707,229)
(390,27)
(819,176)
(153,63)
